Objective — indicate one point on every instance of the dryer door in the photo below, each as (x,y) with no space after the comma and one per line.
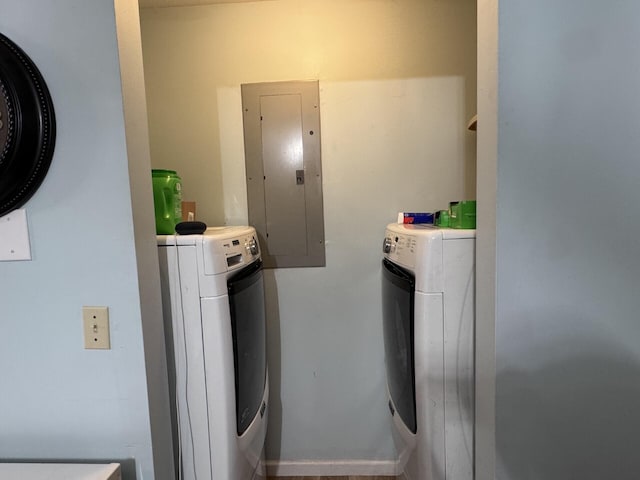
(248,324)
(398,298)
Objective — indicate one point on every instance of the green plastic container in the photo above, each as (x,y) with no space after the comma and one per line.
(442,219)
(167,200)
(462,214)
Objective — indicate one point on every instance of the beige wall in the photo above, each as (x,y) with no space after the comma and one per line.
(191,52)
(397,87)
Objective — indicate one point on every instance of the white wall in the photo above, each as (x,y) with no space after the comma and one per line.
(487,148)
(59,401)
(144,228)
(397,83)
(567,336)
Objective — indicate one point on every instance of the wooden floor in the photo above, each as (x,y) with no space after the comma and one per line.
(332,478)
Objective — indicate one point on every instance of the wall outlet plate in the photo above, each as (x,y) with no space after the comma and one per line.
(14,236)
(95,322)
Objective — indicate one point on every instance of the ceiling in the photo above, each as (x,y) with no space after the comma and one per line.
(185,3)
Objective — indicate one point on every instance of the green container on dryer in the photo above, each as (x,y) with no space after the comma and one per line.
(442,219)
(462,214)
(167,200)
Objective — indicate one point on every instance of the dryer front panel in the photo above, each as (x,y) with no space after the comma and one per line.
(248,324)
(398,292)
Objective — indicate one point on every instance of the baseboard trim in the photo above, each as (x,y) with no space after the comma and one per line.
(314,468)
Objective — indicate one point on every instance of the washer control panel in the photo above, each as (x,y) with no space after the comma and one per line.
(421,250)
(400,248)
(252,246)
(225,249)
(241,250)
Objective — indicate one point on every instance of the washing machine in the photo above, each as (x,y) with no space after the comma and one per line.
(213,302)
(428,283)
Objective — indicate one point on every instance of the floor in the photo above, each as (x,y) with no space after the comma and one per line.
(332,478)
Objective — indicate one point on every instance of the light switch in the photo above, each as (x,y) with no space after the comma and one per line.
(96,327)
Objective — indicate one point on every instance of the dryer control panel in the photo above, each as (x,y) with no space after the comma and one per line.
(228,248)
(240,250)
(420,249)
(400,249)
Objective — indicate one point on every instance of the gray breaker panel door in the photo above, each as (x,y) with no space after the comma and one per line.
(284,175)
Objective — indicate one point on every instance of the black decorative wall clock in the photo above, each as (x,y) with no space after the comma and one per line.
(27,127)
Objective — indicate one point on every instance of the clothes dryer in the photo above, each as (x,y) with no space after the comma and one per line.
(428,315)
(213,299)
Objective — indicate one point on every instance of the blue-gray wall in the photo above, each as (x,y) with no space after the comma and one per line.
(567,329)
(57,400)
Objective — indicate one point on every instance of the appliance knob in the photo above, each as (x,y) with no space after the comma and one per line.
(386,245)
(252,247)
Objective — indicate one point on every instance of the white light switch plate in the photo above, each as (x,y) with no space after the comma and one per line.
(95,322)
(14,236)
